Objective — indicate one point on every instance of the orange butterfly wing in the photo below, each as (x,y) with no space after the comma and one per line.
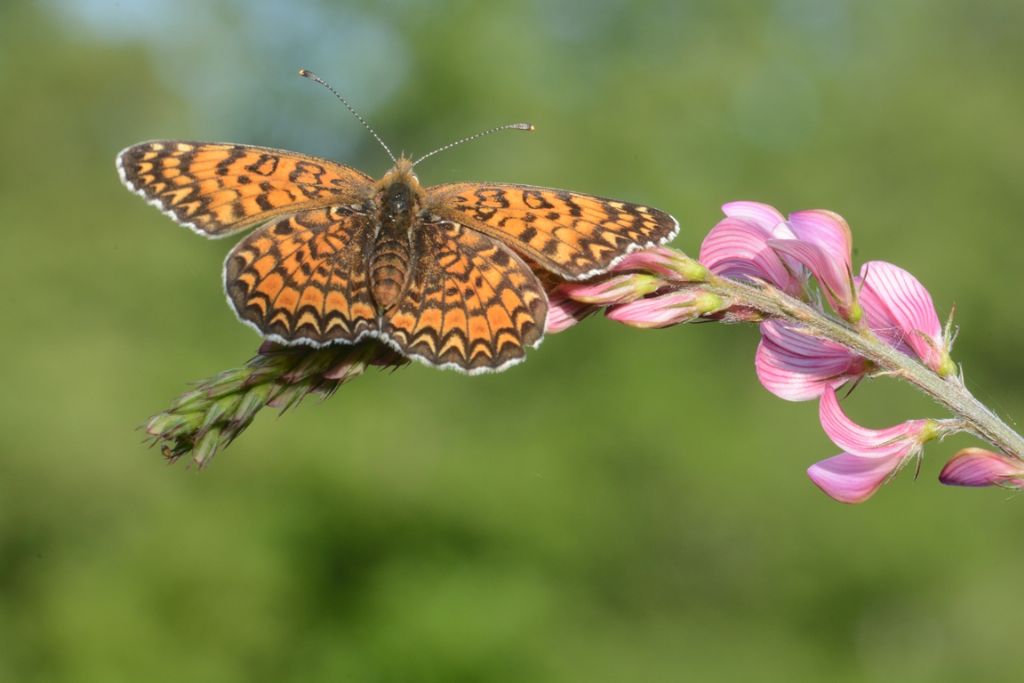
(218,189)
(471,303)
(303,278)
(573,235)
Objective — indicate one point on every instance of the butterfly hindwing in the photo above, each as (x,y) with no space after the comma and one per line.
(218,189)
(471,303)
(303,278)
(573,235)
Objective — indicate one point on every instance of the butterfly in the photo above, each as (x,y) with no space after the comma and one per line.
(446,275)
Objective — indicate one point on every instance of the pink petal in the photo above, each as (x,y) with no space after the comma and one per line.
(851,479)
(669,263)
(665,309)
(900,310)
(827,230)
(762,215)
(856,440)
(832,273)
(979,467)
(736,248)
(798,367)
(564,312)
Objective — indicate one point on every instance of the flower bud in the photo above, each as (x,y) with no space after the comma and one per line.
(669,263)
(616,289)
(979,467)
(666,309)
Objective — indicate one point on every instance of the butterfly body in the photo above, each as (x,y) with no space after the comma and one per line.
(443,274)
(396,203)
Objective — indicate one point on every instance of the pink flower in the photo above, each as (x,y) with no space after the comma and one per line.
(900,311)
(824,246)
(979,467)
(796,366)
(755,241)
(666,309)
(737,247)
(871,456)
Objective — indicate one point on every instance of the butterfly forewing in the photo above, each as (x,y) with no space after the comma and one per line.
(303,278)
(217,189)
(471,303)
(573,235)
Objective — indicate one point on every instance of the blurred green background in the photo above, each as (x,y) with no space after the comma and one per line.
(625,506)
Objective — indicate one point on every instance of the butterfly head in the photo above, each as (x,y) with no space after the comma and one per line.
(400,175)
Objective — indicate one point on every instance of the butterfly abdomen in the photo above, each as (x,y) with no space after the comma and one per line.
(392,249)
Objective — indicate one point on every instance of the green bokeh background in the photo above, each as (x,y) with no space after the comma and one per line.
(625,506)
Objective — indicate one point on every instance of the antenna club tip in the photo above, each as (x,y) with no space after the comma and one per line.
(305,73)
(526,126)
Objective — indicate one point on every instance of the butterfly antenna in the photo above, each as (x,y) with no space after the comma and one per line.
(306,73)
(508,126)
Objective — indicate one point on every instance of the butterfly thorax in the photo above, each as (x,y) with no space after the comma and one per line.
(397,201)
